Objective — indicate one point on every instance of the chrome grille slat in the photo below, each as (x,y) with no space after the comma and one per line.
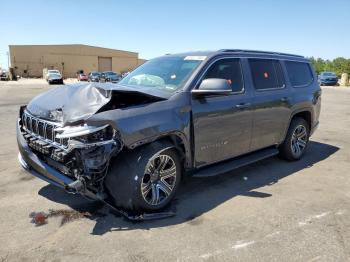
(45,136)
(41,126)
(29,123)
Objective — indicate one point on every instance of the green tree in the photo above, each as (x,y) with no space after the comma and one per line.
(338,65)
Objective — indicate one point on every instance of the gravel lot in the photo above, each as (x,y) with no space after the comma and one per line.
(270,211)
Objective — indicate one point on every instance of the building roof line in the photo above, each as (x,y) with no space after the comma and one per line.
(77,45)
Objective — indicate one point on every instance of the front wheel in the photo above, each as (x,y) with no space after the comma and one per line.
(145,179)
(296,140)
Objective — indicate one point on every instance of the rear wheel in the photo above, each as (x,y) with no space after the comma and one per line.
(296,140)
(146,178)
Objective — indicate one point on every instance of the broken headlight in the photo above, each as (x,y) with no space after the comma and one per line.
(98,136)
(85,133)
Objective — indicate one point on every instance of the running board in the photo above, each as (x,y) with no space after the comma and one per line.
(235,163)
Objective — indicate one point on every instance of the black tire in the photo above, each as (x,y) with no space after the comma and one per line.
(127,175)
(288,149)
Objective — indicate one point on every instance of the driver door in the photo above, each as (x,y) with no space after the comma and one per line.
(222,123)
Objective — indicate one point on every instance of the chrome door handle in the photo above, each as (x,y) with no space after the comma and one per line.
(243,105)
(284,99)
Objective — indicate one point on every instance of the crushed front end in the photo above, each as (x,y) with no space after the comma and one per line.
(73,157)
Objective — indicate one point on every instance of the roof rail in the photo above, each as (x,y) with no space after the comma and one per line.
(257,52)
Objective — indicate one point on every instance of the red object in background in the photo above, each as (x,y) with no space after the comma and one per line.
(266,75)
(82,77)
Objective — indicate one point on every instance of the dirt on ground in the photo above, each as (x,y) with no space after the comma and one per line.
(272,210)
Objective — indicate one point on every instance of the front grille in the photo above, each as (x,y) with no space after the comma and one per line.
(42,129)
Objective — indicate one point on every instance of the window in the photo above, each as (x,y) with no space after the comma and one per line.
(266,73)
(229,69)
(167,74)
(299,73)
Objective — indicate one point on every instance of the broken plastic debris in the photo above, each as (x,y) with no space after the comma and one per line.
(39,218)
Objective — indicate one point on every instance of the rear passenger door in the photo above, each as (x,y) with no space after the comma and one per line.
(271,102)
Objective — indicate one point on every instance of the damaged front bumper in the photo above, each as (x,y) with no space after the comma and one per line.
(37,167)
(78,161)
(33,160)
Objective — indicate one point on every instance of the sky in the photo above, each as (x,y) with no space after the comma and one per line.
(157,27)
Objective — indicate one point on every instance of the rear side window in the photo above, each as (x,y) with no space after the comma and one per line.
(229,69)
(266,73)
(299,73)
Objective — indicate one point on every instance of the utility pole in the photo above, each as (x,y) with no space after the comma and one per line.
(8,60)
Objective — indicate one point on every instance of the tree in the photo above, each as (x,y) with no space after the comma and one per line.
(338,65)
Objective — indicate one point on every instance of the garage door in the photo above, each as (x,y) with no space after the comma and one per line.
(104,64)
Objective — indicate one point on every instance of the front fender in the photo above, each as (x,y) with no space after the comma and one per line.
(146,123)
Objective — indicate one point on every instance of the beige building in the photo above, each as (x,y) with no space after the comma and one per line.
(30,60)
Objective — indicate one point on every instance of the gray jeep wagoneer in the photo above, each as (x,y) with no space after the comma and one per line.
(198,113)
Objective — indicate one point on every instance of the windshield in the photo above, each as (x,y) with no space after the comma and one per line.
(95,74)
(165,73)
(110,73)
(53,72)
(328,74)
(54,75)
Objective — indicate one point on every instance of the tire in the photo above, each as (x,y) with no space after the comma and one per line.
(132,184)
(296,141)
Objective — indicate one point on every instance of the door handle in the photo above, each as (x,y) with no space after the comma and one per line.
(243,105)
(284,99)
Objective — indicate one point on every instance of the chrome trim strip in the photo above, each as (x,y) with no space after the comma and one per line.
(69,131)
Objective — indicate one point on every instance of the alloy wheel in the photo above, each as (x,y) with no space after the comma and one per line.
(159,180)
(299,140)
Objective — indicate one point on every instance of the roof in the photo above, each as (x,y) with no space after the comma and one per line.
(240,52)
(256,52)
(64,45)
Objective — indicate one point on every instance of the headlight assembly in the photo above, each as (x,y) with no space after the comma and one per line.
(85,133)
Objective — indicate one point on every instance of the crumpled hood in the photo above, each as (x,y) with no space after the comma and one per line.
(72,103)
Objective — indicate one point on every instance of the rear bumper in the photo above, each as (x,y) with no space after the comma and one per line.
(36,167)
(56,81)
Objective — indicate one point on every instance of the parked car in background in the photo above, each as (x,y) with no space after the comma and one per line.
(4,75)
(94,77)
(51,71)
(55,78)
(82,77)
(199,113)
(328,79)
(110,76)
(125,74)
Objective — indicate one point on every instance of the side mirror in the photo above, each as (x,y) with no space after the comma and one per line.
(212,87)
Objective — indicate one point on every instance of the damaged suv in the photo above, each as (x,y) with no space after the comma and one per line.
(199,114)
